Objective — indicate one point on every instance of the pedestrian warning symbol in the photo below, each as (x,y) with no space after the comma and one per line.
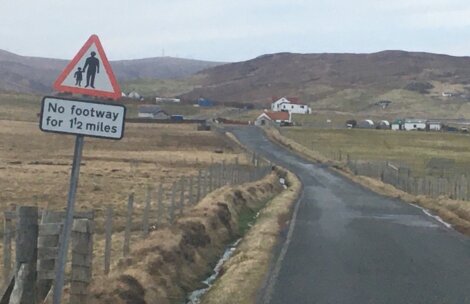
(89,73)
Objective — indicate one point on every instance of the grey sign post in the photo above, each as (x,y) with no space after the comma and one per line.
(81,118)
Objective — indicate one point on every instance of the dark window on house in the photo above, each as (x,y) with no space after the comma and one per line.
(414,126)
(302,107)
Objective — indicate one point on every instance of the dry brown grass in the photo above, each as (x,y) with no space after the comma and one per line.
(171,262)
(246,271)
(35,168)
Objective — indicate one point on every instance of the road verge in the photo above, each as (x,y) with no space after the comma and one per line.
(248,270)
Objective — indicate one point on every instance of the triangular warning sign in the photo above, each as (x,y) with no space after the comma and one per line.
(89,73)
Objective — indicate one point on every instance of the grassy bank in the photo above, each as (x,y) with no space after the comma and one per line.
(245,273)
(172,261)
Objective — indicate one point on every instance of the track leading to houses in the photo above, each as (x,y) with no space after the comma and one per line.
(351,245)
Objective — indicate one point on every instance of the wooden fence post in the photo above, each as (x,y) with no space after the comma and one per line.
(127,232)
(160,204)
(191,198)
(7,236)
(50,231)
(145,220)
(211,178)
(182,190)
(204,184)
(82,255)
(24,291)
(198,193)
(172,206)
(224,168)
(108,239)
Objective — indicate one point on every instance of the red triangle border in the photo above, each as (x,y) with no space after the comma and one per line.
(116,94)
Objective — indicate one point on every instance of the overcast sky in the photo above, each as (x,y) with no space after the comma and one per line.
(233,30)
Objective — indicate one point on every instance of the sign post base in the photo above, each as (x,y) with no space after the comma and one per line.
(62,258)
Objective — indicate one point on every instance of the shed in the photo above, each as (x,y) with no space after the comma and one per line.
(366,124)
(384,125)
(134,95)
(433,125)
(397,124)
(204,102)
(414,124)
(281,118)
(152,111)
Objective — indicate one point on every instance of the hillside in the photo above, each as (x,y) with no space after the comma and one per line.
(414,82)
(36,75)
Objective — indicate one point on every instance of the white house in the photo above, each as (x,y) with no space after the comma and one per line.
(273,117)
(414,124)
(291,106)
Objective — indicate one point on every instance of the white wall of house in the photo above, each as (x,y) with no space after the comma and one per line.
(414,125)
(435,126)
(395,127)
(284,104)
(145,115)
(276,106)
(295,108)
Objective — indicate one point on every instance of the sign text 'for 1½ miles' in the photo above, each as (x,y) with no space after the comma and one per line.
(82,117)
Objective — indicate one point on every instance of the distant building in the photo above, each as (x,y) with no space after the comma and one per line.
(366,124)
(204,102)
(433,125)
(167,99)
(447,94)
(291,105)
(152,111)
(280,118)
(134,95)
(397,125)
(414,124)
(384,125)
(383,103)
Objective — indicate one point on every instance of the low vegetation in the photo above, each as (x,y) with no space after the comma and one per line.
(417,150)
(171,262)
(246,272)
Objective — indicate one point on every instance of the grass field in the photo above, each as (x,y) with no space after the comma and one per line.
(414,149)
(35,167)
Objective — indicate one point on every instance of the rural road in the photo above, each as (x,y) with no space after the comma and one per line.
(350,245)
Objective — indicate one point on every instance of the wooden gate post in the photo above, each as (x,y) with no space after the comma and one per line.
(7,236)
(82,255)
(50,231)
(24,291)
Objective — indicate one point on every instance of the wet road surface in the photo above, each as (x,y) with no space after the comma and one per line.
(350,245)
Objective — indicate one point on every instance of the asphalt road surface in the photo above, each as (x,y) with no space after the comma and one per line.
(350,245)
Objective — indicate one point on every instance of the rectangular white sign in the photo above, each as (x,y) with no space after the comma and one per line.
(79,117)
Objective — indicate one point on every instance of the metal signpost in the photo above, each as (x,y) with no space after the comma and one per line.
(82,118)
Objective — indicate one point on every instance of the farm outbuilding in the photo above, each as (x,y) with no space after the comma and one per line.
(152,111)
(414,124)
(366,124)
(280,118)
(384,125)
(434,125)
(204,102)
